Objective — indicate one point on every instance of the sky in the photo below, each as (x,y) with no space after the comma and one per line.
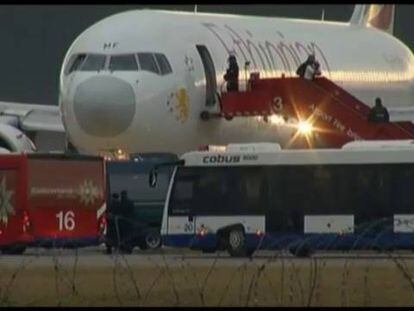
(35,38)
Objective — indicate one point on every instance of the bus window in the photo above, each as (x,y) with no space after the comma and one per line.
(403,189)
(363,191)
(210,192)
(255,189)
(234,195)
(299,182)
(276,213)
(383,197)
(289,197)
(372,196)
(229,191)
(322,195)
(342,180)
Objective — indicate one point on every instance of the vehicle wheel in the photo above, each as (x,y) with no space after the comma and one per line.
(236,243)
(152,240)
(13,250)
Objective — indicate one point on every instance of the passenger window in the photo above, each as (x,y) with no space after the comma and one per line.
(255,190)
(147,62)
(163,64)
(93,62)
(403,187)
(209,192)
(323,188)
(76,63)
(123,62)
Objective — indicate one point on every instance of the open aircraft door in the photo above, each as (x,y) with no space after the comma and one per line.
(210,74)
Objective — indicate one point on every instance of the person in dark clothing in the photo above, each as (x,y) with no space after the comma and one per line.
(232,75)
(378,113)
(126,203)
(309,69)
(126,224)
(112,234)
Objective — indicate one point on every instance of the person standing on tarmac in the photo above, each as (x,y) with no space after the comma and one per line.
(378,113)
(112,235)
(232,75)
(126,223)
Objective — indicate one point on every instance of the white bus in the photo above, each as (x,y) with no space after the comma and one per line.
(242,198)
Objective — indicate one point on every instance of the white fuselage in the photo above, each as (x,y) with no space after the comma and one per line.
(166,115)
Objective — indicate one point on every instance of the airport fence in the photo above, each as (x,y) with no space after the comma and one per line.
(179,277)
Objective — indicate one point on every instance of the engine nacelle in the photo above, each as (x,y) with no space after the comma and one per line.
(13,140)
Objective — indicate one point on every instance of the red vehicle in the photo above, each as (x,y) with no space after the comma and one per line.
(51,200)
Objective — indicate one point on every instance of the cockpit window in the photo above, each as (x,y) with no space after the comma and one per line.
(152,62)
(93,62)
(163,64)
(123,62)
(147,62)
(76,63)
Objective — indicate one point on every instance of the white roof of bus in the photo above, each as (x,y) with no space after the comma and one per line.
(359,152)
(408,143)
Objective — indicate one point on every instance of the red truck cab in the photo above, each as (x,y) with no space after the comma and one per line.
(15,227)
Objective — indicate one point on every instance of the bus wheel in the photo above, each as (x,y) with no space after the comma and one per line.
(236,243)
(152,240)
(13,250)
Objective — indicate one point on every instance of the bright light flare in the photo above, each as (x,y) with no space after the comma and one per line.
(305,128)
(121,155)
(202,231)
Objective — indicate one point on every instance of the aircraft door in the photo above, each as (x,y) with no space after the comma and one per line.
(210,74)
(181,209)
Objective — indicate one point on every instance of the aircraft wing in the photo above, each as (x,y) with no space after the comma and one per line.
(33,117)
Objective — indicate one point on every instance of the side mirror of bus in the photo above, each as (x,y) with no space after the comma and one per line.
(152,180)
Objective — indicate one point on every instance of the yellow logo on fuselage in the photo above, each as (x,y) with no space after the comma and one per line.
(182,106)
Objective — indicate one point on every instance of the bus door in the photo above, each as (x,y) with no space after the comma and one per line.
(181,208)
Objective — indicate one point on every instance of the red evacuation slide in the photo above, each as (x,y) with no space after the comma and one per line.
(337,116)
(51,201)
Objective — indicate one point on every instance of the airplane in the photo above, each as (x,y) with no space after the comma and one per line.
(137,81)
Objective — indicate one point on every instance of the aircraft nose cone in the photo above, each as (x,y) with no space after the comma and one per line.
(104,106)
